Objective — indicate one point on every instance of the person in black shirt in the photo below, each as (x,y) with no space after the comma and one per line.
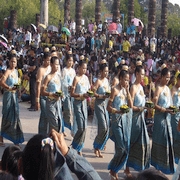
(33,67)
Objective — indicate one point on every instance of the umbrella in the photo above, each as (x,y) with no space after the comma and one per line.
(112,27)
(4,44)
(65,29)
(43,26)
(52,28)
(34,27)
(136,22)
(3,38)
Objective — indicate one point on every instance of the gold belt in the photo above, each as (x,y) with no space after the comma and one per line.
(13,91)
(79,98)
(51,98)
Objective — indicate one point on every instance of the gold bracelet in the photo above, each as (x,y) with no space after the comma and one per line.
(140,109)
(113,111)
(37,99)
(111,100)
(128,97)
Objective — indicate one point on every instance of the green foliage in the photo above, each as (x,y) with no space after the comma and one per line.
(138,11)
(26,11)
(174,24)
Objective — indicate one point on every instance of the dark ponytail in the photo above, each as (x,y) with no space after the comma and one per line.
(37,160)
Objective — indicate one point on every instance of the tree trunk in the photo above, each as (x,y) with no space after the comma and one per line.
(164,12)
(44,12)
(116,11)
(151,18)
(37,20)
(78,15)
(130,10)
(66,10)
(98,11)
(13,19)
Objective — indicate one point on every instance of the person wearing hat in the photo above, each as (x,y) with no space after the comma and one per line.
(32,69)
(53,48)
(140,55)
(46,50)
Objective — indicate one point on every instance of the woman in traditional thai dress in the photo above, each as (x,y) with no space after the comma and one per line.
(139,155)
(42,72)
(11,126)
(101,87)
(162,155)
(68,75)
(79,90)
(51,87)
(175,92)
(120,124)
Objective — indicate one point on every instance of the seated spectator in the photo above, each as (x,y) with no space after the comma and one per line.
(6,176)
(7,152)
(13,164)
(47,159)
(25,94)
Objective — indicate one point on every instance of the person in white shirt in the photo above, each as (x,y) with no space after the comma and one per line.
(81,41)
(153,42)
(132,40)
(100,27)
(36,39)
(73,26)
(119,27)
(28,37)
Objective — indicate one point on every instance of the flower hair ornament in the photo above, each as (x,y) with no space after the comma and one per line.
(47,141)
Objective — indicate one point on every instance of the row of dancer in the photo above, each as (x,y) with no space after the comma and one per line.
(132,146)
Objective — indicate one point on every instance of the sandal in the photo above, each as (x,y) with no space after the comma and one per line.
(96,152)
(127,174)
(113,177)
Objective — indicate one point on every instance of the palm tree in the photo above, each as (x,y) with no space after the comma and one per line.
(44,12)
(37,20)
(98,11)
(13,19)
(66,10)
(164,12)
(78,15)
(130,10)
(151,18)
(116,11)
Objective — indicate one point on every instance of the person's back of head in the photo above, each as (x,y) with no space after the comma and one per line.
(151,174)
(38,159)
(7,152)
(6,176)
(13,163)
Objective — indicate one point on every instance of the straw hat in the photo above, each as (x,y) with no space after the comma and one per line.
(103,61)
(123,61)
(46,49)
(125,68)
(13,51)
(53,48)
(81,57)
(138,63)
(69,52)
(163,66)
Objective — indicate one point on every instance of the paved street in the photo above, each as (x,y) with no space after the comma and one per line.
(29,122)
